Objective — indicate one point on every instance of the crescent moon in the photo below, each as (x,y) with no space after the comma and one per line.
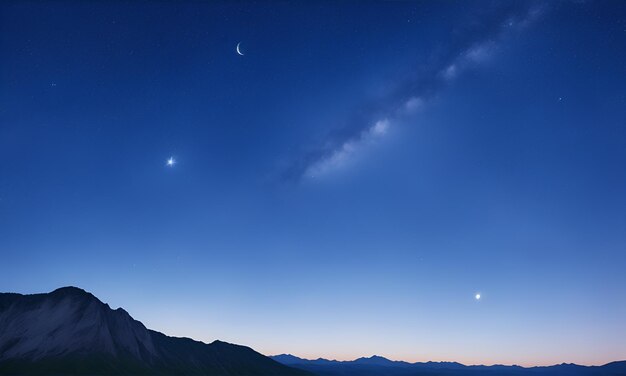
(238,50)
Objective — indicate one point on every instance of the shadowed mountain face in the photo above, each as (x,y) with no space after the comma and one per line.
(379,366)
(70,331)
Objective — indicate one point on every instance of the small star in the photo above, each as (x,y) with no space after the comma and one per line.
(53,84)
(170,162)
(560,99)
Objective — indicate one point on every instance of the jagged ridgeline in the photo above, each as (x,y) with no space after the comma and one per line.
(379,366)
(71,332)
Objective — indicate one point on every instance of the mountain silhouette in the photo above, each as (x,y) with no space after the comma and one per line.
(376,360)
(380,366)
(70,332)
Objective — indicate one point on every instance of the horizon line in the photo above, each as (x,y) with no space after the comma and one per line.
(346,360)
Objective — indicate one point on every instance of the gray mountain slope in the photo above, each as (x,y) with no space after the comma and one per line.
(70,331)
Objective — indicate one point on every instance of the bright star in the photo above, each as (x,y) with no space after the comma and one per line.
(477,296)
(170,162)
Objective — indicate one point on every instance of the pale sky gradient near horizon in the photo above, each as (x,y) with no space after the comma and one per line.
(344,189)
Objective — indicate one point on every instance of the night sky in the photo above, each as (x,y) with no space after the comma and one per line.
(344,188)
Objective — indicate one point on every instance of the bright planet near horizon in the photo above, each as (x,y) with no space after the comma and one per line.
(477,296)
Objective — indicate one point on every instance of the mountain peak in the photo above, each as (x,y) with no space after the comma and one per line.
(377,357)
(374,360)
(70,289)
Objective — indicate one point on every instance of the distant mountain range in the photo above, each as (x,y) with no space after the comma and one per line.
(70,332)
(379,366)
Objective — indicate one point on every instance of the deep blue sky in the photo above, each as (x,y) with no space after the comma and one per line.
(343,189)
